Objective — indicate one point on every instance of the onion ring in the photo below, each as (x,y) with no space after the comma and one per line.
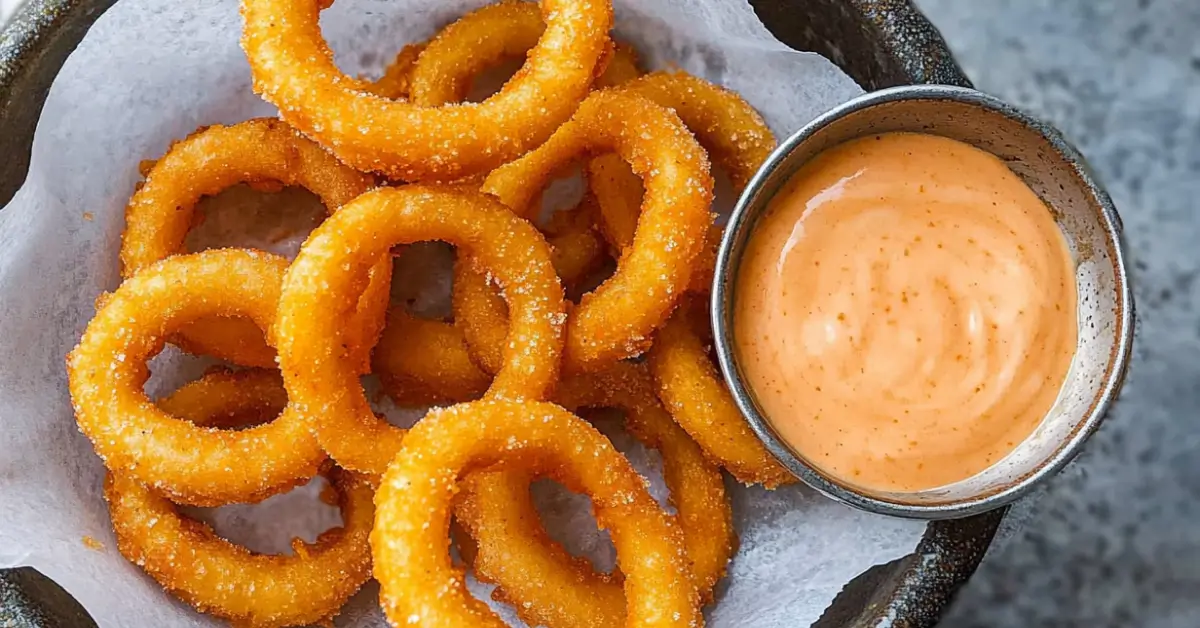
(293,68)
(615,321)
(545,584)
(735,136)
(688,385)
(443,74)
(476,42)
(451,61)
(319,287)
(446,68)
(410,542)
(259,151)
(134,437)
(217,577)
(618,194)
(700,402)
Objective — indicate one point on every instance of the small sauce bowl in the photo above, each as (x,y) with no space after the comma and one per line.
(1056,172)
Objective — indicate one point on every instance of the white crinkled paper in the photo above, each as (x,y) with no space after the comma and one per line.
(152,71)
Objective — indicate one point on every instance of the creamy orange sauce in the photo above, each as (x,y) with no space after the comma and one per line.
(905,311)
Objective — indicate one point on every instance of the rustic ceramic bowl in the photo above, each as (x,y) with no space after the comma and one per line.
(1083,211)
(879,43)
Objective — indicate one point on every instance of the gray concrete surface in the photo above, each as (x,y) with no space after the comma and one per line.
(1115,539)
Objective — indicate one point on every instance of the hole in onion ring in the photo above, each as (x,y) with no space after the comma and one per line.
(567,516)
(396,413)
(564,192)
(568,520)
(275,220)
(592,280)
(172,368)
(725,195)
(422,276)
(268,527)
(491,80)
(364,42)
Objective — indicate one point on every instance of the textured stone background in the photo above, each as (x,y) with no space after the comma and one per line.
(1114,540)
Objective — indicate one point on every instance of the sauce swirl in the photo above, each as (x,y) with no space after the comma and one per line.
(905,311)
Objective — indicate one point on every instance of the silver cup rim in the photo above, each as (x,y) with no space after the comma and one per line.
(752,201)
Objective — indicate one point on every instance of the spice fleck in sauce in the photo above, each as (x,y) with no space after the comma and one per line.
(905,311)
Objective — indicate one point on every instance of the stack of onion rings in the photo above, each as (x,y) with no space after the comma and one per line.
(293,68)
(135,438)
(410,542)
(260,151)
(321,287)
(455,58)
(188,559)
(441,73)
(647,142)
(617,319)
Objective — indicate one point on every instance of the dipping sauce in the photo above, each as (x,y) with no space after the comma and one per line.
(905,311)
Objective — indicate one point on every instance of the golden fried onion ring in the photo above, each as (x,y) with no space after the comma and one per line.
(448,65)
(443,74)
(735,136)
(217,577)
(618,194)
(322,285)
(700,402)
(545,584)
(688,384)
(107,372)
(616,320)
(264,150)
(410,542)
(465,49)
(226,580)
(293,68)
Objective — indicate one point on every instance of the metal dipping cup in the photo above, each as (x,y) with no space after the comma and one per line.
(1057,173)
